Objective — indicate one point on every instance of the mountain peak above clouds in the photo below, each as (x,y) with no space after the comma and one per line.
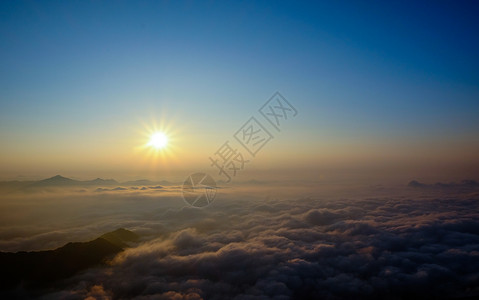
(40,268)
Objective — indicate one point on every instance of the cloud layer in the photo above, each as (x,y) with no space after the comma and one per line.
(383,247)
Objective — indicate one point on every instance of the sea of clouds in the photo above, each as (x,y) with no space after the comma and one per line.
(265,243)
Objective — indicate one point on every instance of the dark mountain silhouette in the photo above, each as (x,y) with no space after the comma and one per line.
(415,184)
(120,237)
(57,180)
(145,182)
(100,181)
(119,189)
(43,269)
(138,182)
(60,181)
(156,187)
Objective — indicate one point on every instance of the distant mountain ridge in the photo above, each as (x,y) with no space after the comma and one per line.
(41,269)
(61,181)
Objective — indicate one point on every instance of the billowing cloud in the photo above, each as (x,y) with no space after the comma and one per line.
(407,246)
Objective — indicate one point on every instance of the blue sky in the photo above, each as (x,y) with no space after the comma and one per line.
(90,72)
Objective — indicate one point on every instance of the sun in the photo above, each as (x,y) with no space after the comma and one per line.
(158,140)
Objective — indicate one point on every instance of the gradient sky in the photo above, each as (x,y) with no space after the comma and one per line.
(381,86)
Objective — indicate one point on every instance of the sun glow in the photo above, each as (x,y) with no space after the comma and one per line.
(158,140)
(158,144)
